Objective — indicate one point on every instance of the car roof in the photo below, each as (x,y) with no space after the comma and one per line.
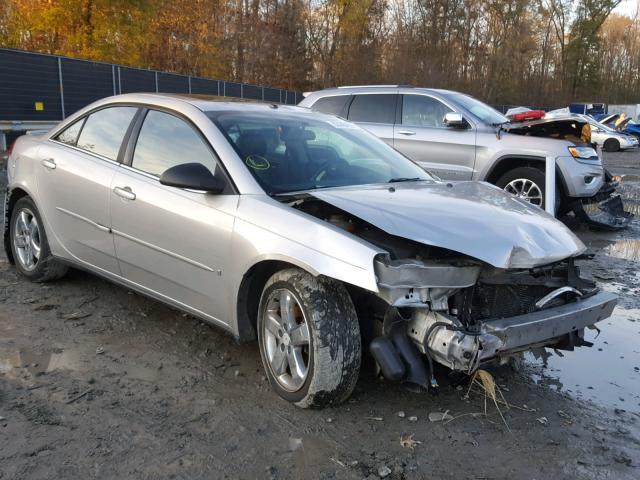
(377,88)
(203,102)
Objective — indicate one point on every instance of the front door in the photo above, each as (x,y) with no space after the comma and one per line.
(172,241)
(422,135)
(74,179)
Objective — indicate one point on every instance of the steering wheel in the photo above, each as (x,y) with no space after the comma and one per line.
(329,166)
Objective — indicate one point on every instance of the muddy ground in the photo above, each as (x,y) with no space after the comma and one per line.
(99,382)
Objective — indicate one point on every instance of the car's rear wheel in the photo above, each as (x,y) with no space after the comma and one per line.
(309,338)
(611,145)
(29,244)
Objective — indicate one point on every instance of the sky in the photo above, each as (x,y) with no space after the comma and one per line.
(627,7)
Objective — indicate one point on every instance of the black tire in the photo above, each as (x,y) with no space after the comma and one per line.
(532,174)
(47,268)
(611,145)
(334,350)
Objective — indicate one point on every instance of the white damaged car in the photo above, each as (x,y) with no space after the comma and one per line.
(300,231)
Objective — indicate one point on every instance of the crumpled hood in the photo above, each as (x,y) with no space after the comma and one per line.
(472,218)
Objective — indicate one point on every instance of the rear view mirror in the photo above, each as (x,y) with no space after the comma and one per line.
(194,176)
(454,120)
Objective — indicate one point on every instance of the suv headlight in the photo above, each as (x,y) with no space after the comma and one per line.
(583,153)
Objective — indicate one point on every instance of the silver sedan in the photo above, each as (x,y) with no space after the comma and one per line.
(299,230)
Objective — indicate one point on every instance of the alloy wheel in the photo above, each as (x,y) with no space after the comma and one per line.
(286,339)
(26,239)
(525,189)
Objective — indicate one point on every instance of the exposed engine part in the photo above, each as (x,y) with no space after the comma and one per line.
(388,358)
(418,283)
(448,343)
(501,294)
(452,344)
(398,356)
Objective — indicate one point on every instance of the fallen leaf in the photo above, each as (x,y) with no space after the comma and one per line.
(407,441)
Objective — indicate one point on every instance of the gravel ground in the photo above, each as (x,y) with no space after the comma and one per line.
(99,382)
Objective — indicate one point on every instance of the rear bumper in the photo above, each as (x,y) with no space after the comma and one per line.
(517,333)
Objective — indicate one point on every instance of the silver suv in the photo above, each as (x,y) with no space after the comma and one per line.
(458,137)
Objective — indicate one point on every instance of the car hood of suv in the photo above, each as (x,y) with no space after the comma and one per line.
(472,218)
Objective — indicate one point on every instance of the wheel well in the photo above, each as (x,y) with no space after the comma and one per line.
(509,163)
(249,296)
(10,201)
(366,303)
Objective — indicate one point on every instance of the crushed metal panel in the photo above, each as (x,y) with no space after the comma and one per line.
(472,218)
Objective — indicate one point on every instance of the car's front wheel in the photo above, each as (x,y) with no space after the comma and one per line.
(309,338)
(29,245)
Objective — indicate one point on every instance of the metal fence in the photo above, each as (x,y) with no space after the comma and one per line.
(40,87)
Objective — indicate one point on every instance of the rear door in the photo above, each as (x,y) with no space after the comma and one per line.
(172,241)
(74,178)
(422,136)
(376,112)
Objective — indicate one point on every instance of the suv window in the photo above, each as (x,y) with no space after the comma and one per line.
(373,108)
(166,141)
(334,105)
(104,131)
(422,111)
(70,134)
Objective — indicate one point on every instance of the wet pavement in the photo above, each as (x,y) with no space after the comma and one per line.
(607,374)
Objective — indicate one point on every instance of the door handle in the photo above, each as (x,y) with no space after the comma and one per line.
(49,163)
(124,192)
(406,132)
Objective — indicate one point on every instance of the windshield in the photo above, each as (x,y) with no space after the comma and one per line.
(480,110)
(288,152)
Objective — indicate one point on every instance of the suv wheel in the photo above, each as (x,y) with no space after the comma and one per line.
(309,338)
(29,245)
(527,183)
(611,145)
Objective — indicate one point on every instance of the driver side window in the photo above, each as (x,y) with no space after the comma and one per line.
(165,141)
(423,111)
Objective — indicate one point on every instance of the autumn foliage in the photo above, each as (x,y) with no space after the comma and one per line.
(543,52)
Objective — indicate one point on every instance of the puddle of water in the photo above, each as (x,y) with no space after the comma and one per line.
(40,362)
(625,249)
(607,373)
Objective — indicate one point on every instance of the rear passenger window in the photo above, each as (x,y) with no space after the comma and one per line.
(104,131)
(70,134)
(166,141)
(374,108)
(333,105)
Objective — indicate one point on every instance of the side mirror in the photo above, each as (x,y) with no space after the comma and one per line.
(454,120)
(194,176)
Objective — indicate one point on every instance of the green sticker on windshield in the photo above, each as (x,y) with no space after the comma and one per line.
(257,162)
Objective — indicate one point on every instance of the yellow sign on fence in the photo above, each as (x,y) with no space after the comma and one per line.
(39,106)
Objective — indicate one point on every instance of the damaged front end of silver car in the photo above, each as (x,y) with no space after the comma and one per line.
(462,314)
(467,274)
